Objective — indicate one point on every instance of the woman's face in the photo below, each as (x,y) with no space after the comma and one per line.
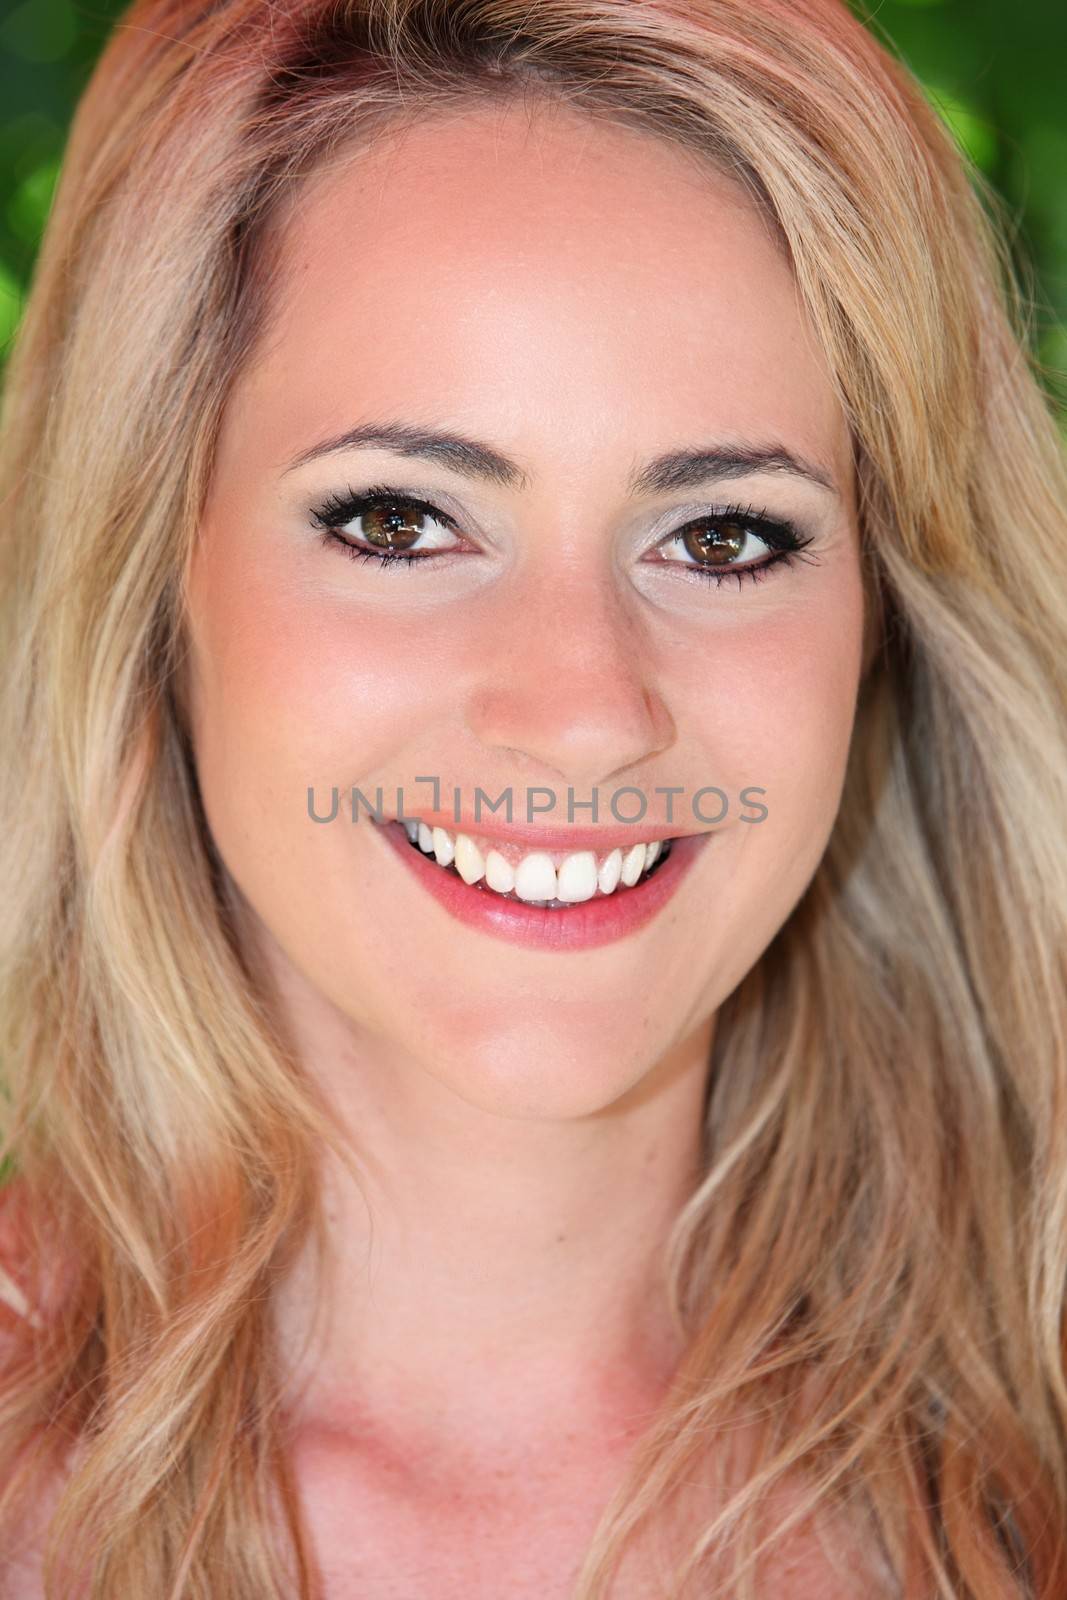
(581,299)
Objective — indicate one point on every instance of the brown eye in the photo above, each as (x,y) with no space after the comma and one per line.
(714,544)
(390,526)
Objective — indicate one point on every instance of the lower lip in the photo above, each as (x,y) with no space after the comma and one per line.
(578,927)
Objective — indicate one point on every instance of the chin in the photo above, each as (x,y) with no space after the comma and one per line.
(528,1067)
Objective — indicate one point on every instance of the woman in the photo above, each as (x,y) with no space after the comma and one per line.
(422,401)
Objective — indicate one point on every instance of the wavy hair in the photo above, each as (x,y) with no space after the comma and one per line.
(871,1268)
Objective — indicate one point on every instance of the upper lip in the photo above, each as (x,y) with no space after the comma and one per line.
(589,837)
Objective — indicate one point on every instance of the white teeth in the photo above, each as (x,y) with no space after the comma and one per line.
(608,876)
(633,865)
(577,877)
(499,874)
(443,848)
(468,863)
(535,877)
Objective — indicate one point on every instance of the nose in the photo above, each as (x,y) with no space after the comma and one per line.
(566,685)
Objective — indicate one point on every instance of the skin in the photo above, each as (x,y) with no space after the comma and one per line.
(582,297)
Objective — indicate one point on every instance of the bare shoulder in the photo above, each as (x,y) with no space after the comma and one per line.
(22,1556)
(21,1565)
(22,1559)
(10,1293)
(24,1580)
(35,1278)
(16,1267)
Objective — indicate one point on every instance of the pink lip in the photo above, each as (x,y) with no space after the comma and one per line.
(579,927)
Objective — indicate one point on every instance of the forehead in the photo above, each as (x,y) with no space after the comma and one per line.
(533,273)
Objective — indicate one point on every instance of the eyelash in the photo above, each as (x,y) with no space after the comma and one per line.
(782,536)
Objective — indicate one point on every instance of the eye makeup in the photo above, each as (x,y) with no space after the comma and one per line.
(730,526)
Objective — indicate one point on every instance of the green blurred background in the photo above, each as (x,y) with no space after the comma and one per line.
(994,68)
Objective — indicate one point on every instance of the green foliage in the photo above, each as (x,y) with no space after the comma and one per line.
(993,70)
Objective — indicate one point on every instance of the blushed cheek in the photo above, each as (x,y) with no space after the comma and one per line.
(297,688)
(772,707)
(773,700)
(809,678)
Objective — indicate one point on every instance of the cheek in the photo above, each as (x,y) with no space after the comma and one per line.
(774,705)
(297,687)
(776,713)
(803,702)
(292,689)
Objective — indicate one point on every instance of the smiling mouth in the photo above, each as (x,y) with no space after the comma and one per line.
(614,876)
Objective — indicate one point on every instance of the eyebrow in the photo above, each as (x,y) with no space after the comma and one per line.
(677,469)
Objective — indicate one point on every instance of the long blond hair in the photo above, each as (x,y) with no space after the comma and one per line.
(873,1265)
